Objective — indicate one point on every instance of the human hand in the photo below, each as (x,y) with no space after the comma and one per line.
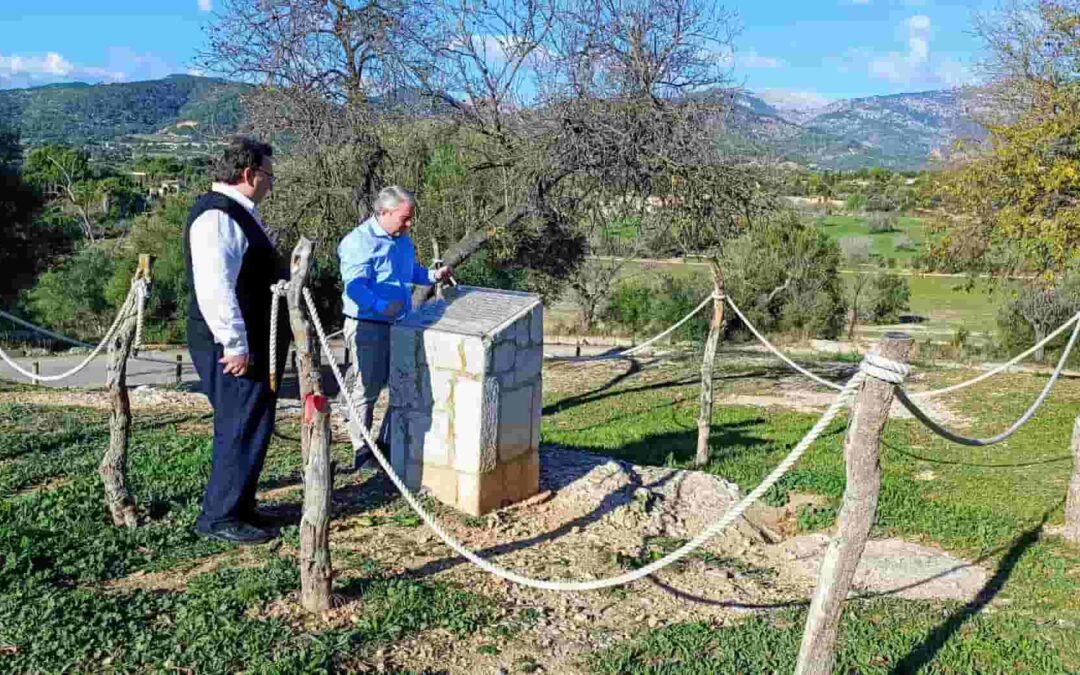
(235,365)
(444,273)
(393,309)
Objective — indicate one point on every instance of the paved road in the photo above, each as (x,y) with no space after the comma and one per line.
(152,372)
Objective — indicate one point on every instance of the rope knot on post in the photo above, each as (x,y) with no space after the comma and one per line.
(278,290)
(886,370)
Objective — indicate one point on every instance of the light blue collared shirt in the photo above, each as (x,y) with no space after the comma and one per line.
(377,269)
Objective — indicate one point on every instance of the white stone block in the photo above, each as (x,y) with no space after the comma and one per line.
(528,364)
(504,354)
(536,325)
(438,440)
(399,441)
(444,350)
(537,415)
(521,331)
(442,383)
(515,422)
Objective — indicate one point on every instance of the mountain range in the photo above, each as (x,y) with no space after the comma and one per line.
(902,131)
(899,131)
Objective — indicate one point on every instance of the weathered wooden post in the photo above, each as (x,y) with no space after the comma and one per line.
(1072,500)
(862,457)
(179,369)
(701,457)
(113,467)
(37,371)
(316,573)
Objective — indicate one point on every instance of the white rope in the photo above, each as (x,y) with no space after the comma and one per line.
(140,300)
(838,404)
(998,369)
(906,401)
(122,314)
(278,291)
(72,341)
(777,352)
(638,348)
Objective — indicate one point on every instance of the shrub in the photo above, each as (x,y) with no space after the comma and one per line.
(880,222)
(640,307)
(73,296)
(784,274)
(855,249)
(890,296)
(1034,311)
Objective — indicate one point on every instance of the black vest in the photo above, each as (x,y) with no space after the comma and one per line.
(260,268)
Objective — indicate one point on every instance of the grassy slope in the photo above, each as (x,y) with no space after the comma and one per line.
(58,553)
(984,504)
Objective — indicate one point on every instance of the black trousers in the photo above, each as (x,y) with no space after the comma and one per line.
(244,410)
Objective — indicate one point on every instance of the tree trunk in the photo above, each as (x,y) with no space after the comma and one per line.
(701,457)
(316,571)
(113,467)
(1072,500)
(862,457)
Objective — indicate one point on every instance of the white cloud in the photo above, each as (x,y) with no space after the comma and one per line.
(910,66)
(206,5)
(33,66)
(751,59)
(786,99)
(121,64)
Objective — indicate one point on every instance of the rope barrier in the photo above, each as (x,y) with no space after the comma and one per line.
(998,369)
(77,343)
(638,348)
(122,314)
(920,415)
(777,352)
(839,403)
(278,291)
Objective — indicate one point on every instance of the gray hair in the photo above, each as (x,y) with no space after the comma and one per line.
(392,197)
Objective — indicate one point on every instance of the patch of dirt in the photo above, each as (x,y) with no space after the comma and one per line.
(177,578)
(144,397)
(896,568)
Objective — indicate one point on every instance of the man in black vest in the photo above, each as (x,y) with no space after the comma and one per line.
(231,264)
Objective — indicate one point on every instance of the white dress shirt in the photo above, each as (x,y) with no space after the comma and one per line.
(218,245)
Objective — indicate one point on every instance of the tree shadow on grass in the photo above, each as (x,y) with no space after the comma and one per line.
(922,654)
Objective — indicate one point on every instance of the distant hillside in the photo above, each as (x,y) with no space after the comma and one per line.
(78,112)
(901,131)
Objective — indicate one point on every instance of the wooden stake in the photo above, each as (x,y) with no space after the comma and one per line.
(1072,500)
(113,467)
(316,572)
(716,324)
(862,457)
(179,369)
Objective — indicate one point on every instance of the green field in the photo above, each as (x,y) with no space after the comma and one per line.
(943,301)
(903,244)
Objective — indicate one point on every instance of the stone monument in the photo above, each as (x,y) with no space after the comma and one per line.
(465,397)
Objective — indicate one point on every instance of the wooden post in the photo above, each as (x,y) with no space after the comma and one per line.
(179,369)
(316,572)
(862,457)
(716,324)
(1072,500)
(113,467)
(37,371)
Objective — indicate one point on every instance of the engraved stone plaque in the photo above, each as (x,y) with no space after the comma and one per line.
(466,395)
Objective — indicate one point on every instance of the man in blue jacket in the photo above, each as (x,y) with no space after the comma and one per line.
(378,268)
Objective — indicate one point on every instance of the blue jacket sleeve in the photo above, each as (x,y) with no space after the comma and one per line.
(422,275)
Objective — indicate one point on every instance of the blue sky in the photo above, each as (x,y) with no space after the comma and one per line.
(797,51)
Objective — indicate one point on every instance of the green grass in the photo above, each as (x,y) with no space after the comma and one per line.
(985,504)
(903,244)
(58,550)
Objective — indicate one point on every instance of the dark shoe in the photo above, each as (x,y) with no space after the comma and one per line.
(365,461)
(266,520)
(236,533)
